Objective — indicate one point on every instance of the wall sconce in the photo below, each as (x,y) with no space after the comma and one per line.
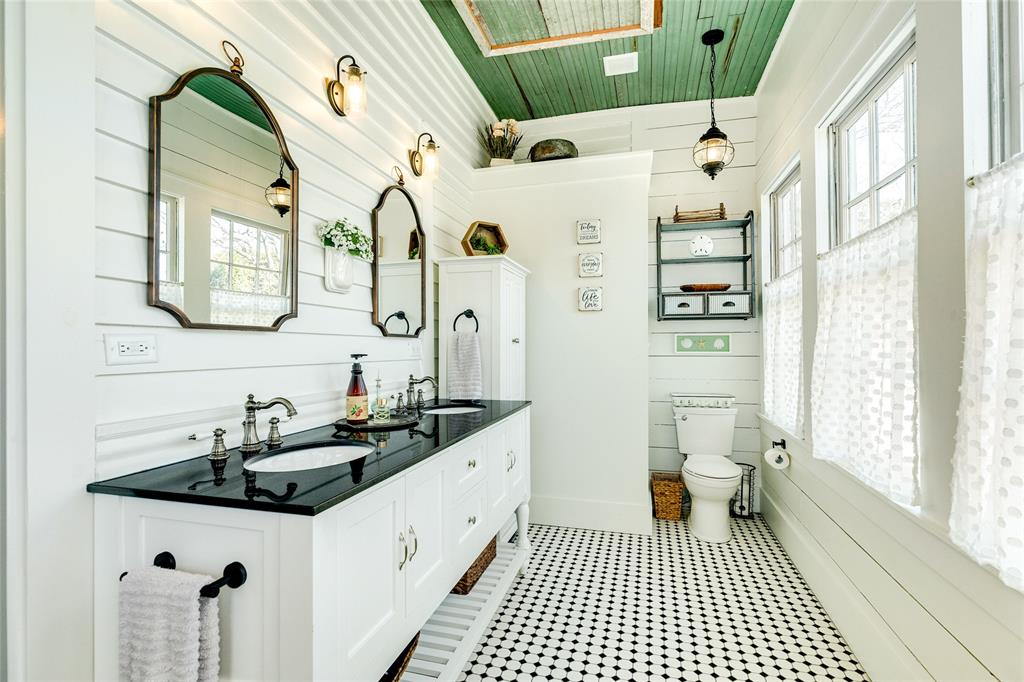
(279,193)
(424,162)
(713,151)
(347,95)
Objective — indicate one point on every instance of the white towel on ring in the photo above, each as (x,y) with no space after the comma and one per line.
(465,367)
(167,631)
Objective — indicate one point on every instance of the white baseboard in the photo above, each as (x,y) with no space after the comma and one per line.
(591,514)
(878,648)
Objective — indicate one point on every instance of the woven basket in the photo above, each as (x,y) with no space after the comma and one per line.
(700,215)
(473,573)
(668,495)
(397,668)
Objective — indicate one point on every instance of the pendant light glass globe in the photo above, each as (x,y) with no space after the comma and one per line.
(713,152)
(279,193)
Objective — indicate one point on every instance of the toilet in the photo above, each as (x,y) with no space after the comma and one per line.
(704,430)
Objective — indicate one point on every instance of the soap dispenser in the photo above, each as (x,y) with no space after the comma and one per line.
(357,400)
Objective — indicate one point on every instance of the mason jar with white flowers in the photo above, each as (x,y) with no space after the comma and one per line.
(500,139)
(343,242)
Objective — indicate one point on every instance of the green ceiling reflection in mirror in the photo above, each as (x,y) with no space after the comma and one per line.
(570,79)
(225,94)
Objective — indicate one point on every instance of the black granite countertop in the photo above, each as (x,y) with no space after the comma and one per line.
(311,491)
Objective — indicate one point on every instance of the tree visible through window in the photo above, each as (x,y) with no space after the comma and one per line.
(246,257)
(875,159)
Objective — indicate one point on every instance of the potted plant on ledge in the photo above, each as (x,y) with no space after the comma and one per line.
(343,242)
(500,140)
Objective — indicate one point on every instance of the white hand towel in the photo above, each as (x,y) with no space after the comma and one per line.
(167,631)
(465,368)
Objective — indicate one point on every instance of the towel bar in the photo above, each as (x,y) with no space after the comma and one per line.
(234,575)
(468,312)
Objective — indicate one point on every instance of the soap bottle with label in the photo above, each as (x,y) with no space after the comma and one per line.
(357,400)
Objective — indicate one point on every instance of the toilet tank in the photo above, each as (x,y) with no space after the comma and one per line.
(705,430)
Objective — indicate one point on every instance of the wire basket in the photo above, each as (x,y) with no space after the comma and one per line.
(741,506)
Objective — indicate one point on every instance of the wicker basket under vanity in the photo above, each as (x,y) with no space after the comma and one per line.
(667,488)
(473,573)
(397,669)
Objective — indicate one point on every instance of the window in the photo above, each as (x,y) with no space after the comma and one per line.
(1006,26)
(246,256)
(783,395)
(169,256)
(875,153)
(785,235)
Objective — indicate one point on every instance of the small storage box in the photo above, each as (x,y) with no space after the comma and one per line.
(683,304)
(729,303)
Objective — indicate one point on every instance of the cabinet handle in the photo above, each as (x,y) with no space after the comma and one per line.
(515,339)
(471,520)
(405,551)
(471,464)
(415,543)
(508,458)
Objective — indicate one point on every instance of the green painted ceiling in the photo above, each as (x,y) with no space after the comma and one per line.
(570,79)
(229,97)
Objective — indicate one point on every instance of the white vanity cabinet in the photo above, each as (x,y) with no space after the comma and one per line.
(494,288)
(336,595)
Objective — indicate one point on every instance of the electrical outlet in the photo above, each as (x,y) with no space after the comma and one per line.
(135,349)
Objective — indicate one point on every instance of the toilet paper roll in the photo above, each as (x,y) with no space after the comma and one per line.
(776,458)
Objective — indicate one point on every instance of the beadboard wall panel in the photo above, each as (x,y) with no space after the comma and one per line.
(670,131)
(145,412)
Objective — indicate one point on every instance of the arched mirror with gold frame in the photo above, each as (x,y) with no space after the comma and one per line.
(399,264)
(223,205)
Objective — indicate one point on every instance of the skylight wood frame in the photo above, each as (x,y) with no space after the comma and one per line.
(650,19)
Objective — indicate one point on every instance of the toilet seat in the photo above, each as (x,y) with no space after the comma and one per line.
(712,467)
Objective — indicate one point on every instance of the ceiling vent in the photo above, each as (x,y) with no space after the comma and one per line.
(618,64)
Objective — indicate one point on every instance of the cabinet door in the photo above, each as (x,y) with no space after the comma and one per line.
(373,559)
(515,344)
(518,428)
(498,464)
(426,578)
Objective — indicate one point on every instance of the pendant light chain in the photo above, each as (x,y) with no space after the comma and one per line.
(711,79)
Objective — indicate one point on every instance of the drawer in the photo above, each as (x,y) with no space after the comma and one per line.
(466,466)
(683,304)
(729,303)
(468,526)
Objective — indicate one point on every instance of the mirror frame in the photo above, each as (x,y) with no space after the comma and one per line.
(153,248)
(376,270)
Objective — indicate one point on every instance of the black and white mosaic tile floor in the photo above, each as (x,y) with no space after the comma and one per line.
(612,606)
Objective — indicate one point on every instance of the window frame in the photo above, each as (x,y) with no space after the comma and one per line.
(903,62)
(175,219)
(791,181)
(1006,79)
(259,227)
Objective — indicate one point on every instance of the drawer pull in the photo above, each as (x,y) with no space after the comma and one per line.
(405,551)
(471,520)
(415,543)
(471,464)
(729,304)
(684,304)
(515,339)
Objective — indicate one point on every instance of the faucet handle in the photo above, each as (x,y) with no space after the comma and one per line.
(274,437)
(218,451)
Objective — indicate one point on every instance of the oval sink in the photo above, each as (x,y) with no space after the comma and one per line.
(308,458)
(453,409)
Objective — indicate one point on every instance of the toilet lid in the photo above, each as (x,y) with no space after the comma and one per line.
(712,467)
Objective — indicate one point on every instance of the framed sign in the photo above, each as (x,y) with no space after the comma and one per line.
(588,231)
(591,264)
(710,343)
(591,298)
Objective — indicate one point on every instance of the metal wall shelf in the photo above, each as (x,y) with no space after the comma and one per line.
(703,301)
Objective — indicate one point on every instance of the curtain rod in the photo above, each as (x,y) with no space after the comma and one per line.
(972,181)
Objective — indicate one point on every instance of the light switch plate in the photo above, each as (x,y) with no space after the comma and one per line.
(129,349)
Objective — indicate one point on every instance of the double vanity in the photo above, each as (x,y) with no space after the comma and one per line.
(346,561)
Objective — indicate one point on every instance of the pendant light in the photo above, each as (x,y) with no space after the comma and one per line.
(347,92)
(279,193)
(713,151)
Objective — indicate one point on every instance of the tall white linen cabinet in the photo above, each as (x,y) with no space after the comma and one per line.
(494,288)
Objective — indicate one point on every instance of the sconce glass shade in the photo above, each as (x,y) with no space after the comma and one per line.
(279,195)
(426,162)
(713,152)
(347,92)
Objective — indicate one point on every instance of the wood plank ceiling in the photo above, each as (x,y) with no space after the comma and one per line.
(570,79)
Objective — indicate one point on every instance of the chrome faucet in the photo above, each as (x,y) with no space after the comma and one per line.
(251,439)
(411,397)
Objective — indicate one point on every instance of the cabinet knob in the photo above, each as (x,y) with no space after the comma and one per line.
(471,520)
(515,339)
(471,464)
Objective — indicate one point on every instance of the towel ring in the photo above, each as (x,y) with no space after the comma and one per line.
(401,316)
(234,575)
(468,312)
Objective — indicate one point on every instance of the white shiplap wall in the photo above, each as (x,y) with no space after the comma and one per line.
(145,412)
(670,131)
